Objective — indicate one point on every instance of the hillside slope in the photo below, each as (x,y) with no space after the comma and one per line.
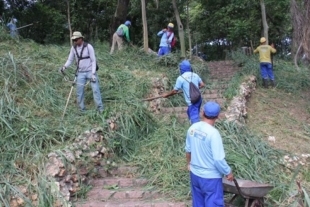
(34,95)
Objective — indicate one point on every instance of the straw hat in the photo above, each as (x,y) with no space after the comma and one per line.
(76,35)
(262,40)
(170,25)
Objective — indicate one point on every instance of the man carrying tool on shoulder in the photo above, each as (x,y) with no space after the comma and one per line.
(85,58)
(183,83)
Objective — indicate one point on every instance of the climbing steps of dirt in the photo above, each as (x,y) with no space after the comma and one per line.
(124,188)
(220,73)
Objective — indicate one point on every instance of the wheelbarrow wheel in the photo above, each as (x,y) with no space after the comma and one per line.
(257,203)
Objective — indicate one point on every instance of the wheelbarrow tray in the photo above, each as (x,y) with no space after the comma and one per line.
(248,188)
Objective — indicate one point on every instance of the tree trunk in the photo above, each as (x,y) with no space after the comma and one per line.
(265,25)
(145,32)
(69,21)
(180,28)
(188,31)
(301,30)
(119,16)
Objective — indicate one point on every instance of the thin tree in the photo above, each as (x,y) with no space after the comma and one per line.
(188,31)
(145,32)
(300,12)
(145,28)
(180,28)
(69,20)
(264,19)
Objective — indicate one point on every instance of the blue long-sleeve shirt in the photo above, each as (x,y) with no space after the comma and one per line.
(12,28)
(166,38)
(205,145)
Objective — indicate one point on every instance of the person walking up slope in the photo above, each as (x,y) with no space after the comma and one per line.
(12,27)
(167,36)
(266,69)
(205,159)
(121,33)
(84,55)
(183,83)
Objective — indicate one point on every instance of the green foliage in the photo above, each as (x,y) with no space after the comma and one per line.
(50,23)
(4,33)
(236,21)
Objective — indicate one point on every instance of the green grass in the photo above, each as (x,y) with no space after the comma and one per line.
(34,95)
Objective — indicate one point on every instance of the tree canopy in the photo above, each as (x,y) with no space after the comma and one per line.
(222,24)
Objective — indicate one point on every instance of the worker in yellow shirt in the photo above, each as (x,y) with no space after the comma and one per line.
(266,69)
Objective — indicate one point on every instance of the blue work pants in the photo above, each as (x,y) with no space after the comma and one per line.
(193,112)
(266,71)
(207,192)
(163,51)
(82,78)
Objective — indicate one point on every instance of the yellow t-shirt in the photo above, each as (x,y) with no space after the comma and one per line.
(265,53)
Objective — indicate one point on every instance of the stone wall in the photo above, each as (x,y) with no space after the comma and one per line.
(236,111)
(68,169)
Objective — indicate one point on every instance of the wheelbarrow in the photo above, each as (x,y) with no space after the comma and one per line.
(252,192)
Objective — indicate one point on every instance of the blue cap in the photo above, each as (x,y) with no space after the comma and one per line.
(185,66)
(127,23)
(211,109)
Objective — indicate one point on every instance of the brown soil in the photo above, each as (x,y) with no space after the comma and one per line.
(286,116)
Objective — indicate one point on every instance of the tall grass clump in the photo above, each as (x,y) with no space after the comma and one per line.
(252,158)
(33,99)
(162,157)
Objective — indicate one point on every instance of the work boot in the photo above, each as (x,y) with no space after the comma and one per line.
(273,84)
(265,83)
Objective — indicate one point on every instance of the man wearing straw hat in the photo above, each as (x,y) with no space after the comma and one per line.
(205,158)
(84,55)
(266,69)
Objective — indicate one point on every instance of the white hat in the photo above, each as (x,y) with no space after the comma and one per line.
(76,35)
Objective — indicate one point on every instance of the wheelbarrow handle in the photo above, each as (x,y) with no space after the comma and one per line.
(238,188)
